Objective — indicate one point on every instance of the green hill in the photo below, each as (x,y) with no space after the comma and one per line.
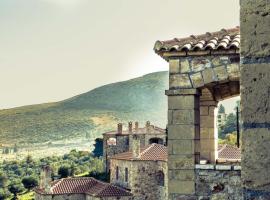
(91,113)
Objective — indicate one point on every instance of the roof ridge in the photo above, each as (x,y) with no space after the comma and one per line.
(54,186)
(147,149)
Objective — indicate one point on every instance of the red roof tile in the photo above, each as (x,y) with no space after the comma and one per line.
(225,39)
(228,152)
(85,185)
(151,152)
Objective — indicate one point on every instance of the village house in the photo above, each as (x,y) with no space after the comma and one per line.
(80,188)
(120,141)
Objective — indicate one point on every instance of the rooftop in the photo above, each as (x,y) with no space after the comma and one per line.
(225,41)
(153,152)
(152,130)
(84,185)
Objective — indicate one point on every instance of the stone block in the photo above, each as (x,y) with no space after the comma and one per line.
(205,167)
(255,99)
(208,76)
(185,117)
(207,121)
(181,161)
(179,81)
(187,175)
(182,131)
(174,66)
(181,187)
(255,33)
(221,73)
(204,110)
(237,167)
(198,64)
(184,65)
(197,80)
(223,167)
(233,71)
(183,147)
(208,144)
(182,102)
(170,116)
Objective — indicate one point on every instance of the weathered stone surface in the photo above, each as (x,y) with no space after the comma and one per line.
(181,162)
(185,117)
(208,76)
(174,66)
(183,147)
(182,102)
(233,71)
(182,131)
(197,80)
(182,174)
(221,73)
(184,64)
(204,110)
(180,81)
(181,187)
(198,64)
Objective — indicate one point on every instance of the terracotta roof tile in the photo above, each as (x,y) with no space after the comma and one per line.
(225,39)
(228,152)
(85,185)
(151,152)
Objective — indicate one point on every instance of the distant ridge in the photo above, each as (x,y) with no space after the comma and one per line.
(88,114)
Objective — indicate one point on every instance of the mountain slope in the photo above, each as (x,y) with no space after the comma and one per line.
(90,113)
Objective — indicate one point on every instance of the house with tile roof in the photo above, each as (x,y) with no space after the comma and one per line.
(120,141)
(142,170)
(79,188)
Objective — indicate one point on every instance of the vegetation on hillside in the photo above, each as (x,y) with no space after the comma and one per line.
(18,177)
(91,113)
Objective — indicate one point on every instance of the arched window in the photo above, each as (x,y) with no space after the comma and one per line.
(117,173)
(155,140)
(160,178)
(126,174)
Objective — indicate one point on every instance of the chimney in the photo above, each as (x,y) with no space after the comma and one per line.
(136,127)
(147,126)
(46,178)
(136,145)
(120,128)
(129,127)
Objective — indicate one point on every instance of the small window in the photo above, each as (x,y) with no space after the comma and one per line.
(111,142)
(126,174)
(117,173)
(160,178)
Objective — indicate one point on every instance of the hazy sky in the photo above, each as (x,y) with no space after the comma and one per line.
(51,50)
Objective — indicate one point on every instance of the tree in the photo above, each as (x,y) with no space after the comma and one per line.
(15,188)
(3,180)
(221,109)
(29,182)
(230,125)
(3,194)
(64,171)
(98,150)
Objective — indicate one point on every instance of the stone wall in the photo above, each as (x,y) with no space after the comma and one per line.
(255,97)
(143,180)
(61,197)
(220,182)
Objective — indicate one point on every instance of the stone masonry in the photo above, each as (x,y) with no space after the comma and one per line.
(255,97)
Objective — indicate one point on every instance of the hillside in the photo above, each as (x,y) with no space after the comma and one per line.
(88,114)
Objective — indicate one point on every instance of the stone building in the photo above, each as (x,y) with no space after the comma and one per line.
(78,189)
(204,69)
(142,170)
(119,141)
(221,119)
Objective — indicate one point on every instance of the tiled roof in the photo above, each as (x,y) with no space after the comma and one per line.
(151,152)
(85,185)
(152,130)
(228,152)
(223,40)
(159,152)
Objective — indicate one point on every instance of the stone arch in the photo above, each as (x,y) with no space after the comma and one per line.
(156,140)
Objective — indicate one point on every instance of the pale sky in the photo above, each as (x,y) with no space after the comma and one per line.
(51,50)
